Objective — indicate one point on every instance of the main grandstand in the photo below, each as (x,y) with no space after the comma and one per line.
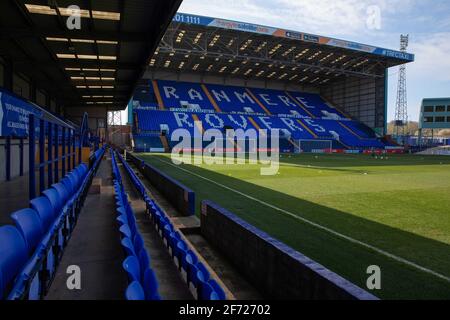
(323,94)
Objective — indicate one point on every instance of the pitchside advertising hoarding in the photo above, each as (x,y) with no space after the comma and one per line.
(14,115)
(276,32)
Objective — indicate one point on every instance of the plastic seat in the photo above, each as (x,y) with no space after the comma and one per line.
(180,252)
(122,219)
(217,289)
(192,275)
(75,180)
(78,174)
(54,198)
(189,265)
(81,172)
(144,259)
(151,285)
(29,224)
(45,210)
(128,247)
(13,255)
(135,291)
(84,168)
(62,191)
(68,184)
(173,240)
(126,232)
(168,229)
(138,242)
(204,291)
(133,269)
(203,273)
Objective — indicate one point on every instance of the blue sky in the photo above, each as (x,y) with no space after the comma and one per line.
(427,22)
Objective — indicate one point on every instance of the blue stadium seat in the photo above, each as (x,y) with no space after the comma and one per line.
(45,211)
(180,251)
(122,219)
(204,291)
(189,265)
(138,242)
(203,273)
(125,231)
(13,256)
(62,191)
(144,259)
(135,291)
(133,269)
(128,247)
(67,182)
(29,224)
(217,289)
(150,285)
(75,179)
(55,200)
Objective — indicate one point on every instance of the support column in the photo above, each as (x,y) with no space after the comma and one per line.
(31,158)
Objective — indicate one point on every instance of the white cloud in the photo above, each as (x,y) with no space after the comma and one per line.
(429,75)
(327,17)
(432,56)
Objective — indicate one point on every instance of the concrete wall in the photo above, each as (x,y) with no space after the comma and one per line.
(15,159)
(181,197)
(95,114)
(362,98)
(276,270)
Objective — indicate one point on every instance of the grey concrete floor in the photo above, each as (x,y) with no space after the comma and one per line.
(95,248)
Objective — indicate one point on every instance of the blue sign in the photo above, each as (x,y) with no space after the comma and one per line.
(14,115)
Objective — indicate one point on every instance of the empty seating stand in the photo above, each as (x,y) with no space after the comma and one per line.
(196,273)
(302,116)
(143,284)
(31,250)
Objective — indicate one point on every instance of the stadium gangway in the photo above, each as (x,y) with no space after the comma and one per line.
(197,275)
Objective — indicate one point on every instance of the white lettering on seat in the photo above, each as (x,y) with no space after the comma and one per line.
(291,124)
(305,103)
(182,118)
(194,94)
(243,124)
(266,99)
(266,122)
(220,96)
(170,92)
(243,96)
(315,126)
(220,124)
(287,101)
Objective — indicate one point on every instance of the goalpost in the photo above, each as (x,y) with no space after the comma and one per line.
(313,146)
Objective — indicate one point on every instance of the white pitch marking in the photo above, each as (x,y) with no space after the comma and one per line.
(340,235)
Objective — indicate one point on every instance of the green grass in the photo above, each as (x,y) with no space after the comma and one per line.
(400,205)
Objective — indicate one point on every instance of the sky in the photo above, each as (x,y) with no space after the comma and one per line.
(373,22)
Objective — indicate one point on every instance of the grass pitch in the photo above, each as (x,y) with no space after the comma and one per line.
(347,212)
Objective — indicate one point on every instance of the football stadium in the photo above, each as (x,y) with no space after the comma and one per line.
(255,164)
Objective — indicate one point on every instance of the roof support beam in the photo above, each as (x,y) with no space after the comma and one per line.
(18,33)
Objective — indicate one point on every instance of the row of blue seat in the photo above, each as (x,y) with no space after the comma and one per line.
(31,250)
(143,284)
(197,274)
